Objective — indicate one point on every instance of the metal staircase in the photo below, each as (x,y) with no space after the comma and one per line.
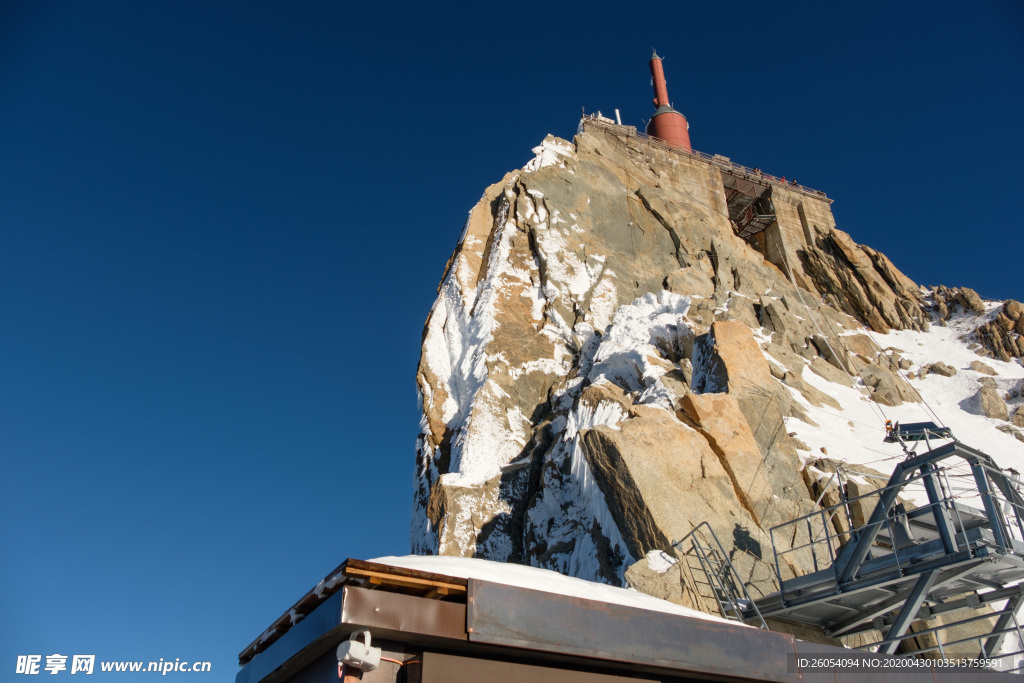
(723,582)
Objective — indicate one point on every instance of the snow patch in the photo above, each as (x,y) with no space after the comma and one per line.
(659,561)
(550,152)
(572,509)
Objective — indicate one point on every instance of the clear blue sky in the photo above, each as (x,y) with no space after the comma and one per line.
(222,225)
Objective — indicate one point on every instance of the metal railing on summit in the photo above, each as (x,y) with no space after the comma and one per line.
(715,159)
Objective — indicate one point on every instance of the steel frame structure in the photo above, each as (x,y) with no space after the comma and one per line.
(902,565)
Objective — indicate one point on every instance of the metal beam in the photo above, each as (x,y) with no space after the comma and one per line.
(943,563)
(853,555)
(995,519)
(877,610)
(978,599)
(1009,614)
(942,521)
(890,603)
(1012,495)
(935,455)
(908,613)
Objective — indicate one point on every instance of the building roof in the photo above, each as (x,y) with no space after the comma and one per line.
(476,612)
(443,577)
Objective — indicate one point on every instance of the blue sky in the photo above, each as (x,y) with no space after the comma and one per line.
(222,225)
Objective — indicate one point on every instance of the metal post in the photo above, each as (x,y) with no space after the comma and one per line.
(778,573)
(942,522)
(810,536)
(1020,637)
(1008,487)
(958,526)
(993,644)
(907,614)
(828,537)
(892,538)
(995,520)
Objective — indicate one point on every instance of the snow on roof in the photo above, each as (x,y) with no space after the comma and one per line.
(534,578)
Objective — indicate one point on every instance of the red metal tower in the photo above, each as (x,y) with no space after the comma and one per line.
(667,124)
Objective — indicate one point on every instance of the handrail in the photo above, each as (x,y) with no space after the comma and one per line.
(823,521)
(733,576)
(714,159)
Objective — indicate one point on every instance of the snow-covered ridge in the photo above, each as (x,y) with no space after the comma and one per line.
(550,152)
(456,346)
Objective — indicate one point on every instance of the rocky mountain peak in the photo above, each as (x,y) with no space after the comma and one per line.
(608,364)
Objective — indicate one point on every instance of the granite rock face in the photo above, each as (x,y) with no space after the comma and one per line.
(1000,333)
(988,402)
(608,365)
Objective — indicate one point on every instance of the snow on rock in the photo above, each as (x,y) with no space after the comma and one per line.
(659,561)
(571,508)
(854,434)
(629,353)
(551,151)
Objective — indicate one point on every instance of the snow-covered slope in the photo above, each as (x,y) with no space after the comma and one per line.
(854,433)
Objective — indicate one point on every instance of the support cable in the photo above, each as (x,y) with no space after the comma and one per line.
(899,371)
(920,396)
(849,356)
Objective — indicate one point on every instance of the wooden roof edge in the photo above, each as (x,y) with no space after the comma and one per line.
(307,602)
(327,587)
(403,572)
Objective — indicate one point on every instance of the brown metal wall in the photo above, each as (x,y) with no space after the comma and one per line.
(441,668)
(561,624)
(391,615)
